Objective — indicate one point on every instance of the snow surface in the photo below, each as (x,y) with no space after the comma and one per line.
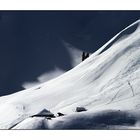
(108,81)
(32,123)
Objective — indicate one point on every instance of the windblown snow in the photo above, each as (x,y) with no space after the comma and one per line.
(107,84)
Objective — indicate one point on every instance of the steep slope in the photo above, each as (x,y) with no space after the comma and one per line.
(109,79)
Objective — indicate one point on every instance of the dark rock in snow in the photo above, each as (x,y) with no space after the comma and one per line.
(80,109)
(44,113)
(60,114)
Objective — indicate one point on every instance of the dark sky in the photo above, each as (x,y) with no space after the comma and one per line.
(31,41)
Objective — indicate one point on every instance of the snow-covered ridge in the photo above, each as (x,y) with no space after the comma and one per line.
(108,79)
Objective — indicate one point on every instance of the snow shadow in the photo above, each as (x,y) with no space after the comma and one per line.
(101,120)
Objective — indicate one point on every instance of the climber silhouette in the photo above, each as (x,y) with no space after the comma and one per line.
(85,56)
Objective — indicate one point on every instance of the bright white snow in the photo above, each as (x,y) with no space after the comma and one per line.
(107,80)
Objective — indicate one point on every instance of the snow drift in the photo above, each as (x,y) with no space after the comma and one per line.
(108,80)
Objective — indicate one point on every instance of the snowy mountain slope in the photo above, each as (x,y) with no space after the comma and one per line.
(108,79)
(32,123)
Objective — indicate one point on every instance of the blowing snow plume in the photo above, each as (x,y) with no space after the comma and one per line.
(107,84)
